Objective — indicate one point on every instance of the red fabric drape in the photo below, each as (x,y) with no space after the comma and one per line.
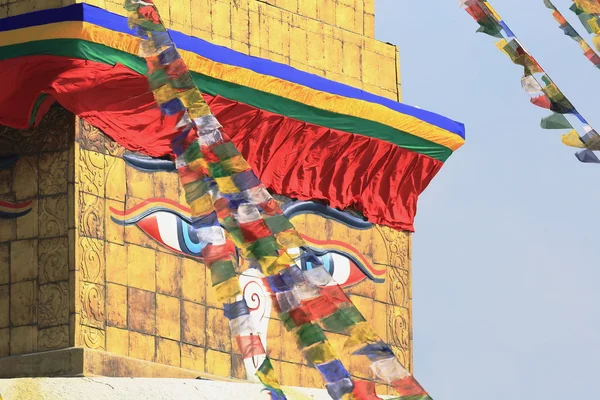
(291,157)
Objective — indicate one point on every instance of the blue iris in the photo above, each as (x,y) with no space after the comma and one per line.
(188,239)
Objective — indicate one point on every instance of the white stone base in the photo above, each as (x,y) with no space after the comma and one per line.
(141,389)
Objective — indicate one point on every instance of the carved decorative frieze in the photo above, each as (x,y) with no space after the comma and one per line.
(93,338)
(53,216)
(53,260)
(92,305)
(91,169)
(91,218)
(399,289)
(54,132)
(53,338)
(398,243)
(53,305)
(91,261)
(91,138)
(53,173)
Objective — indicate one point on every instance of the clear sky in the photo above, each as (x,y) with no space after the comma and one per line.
(505,262)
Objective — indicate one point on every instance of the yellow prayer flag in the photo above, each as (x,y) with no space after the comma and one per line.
(584,46)
(235,164)
(198,110)
(572,139)
(492,11)
(269,379)
(191,97)
(202,206)
(501,44)
(269,265)
(273,267)
(226,185)
(289,239)
(359,334)
(320,353)
(596,41)
(228,289)
(593,23)
(164,94)
(197,164)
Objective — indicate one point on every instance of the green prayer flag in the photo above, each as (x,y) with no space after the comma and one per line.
(217,170)
(158,79)
(221,271)
(264,247)
(342,319)
(278,223)
(225,150)
(288,322)
(192,153)
(236,234)
(576,9)
(195,190)
(183,82)
(490,27)
(309,334)
(556,121)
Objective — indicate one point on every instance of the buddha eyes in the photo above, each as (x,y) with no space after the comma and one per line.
(169,224)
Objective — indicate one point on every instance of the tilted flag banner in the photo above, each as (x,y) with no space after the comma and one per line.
(588,13)
(570,31)
(229,203)
(537,83)
(236,125)
(307,126)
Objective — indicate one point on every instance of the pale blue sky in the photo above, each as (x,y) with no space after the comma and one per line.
(505,294)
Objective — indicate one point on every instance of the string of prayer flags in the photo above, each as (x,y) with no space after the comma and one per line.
(487,24)
(589,17)
(537,83)
(590,22)
(570,31)
(226,196)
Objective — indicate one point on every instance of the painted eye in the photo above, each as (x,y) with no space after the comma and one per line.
(346,265)
(164,221)
(343,270)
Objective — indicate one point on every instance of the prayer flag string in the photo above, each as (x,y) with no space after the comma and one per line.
(233,213)
(588,14)
(570,31)
(536,82)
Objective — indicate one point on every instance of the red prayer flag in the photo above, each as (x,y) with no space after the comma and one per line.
(299,316)
(250,346)
(271,208)
(541,101)
(320,307)
(408,387)
(335,294)
(176,69)
(364,390)
(149,12)
(188,175)
(252,231)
